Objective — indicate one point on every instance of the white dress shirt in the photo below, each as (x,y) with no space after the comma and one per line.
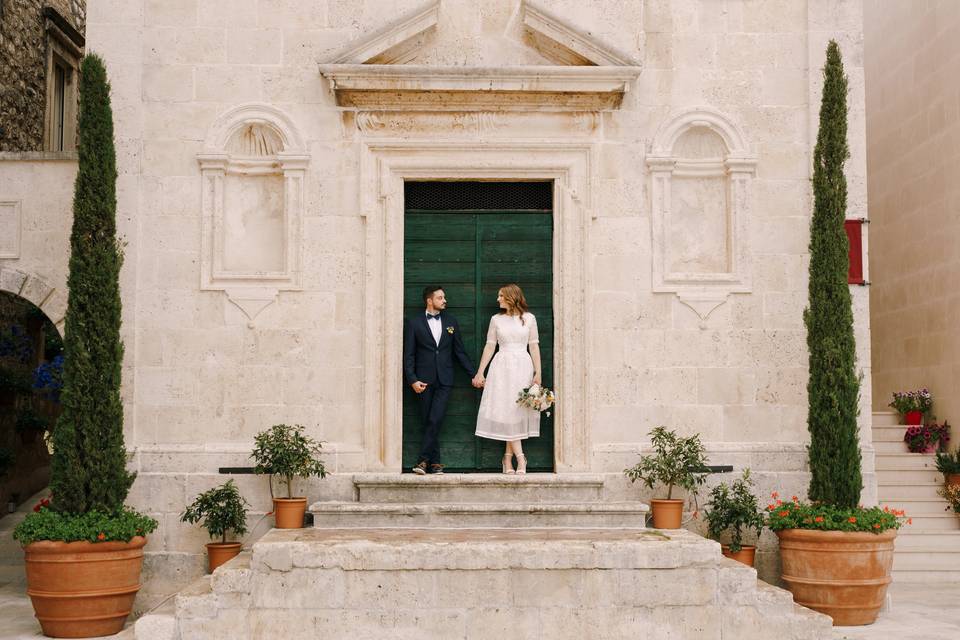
(436,327)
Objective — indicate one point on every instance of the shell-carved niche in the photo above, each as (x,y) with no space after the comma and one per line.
(253,171)
(701,171)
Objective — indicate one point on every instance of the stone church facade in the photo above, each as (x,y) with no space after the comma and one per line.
(265,153)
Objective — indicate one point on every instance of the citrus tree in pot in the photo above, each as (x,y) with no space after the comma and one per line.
(284,451)
(676,462)
(836,556)
(84,550)
(219,511)
(732,511)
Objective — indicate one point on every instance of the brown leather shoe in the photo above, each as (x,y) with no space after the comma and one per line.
(436,468)
(421,468)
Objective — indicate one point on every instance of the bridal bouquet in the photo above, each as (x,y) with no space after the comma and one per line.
(537,397)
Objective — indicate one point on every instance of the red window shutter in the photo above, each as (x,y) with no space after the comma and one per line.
(854,230)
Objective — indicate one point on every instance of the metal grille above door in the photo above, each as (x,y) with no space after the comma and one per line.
(472,238)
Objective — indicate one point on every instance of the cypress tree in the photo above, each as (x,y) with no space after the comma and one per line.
(89,459)
(833,388)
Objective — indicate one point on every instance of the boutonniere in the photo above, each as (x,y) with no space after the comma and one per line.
(450,330)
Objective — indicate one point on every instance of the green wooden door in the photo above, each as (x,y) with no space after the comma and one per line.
(472,253)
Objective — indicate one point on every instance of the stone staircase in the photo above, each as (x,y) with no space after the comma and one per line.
(482,556)
(929,549)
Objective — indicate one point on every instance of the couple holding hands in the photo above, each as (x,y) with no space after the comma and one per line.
(432,340)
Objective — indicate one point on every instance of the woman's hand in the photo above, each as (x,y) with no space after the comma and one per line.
(538,378)
(478,381)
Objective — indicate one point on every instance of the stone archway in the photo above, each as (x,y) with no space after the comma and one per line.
(49,298)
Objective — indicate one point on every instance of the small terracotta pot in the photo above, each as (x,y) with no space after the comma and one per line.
(83,589)
(667,514)
(220,552)
(843,574)
(913,418)
(288,512)
(746,555)
(952,478)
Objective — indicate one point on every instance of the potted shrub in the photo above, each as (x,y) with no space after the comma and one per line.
(949,465)
(84,550)
(835,556)
(284,451)
(926,438)
(951,493)
(29,425)
(731,511)
(912,405)
(676,462)
(219,511)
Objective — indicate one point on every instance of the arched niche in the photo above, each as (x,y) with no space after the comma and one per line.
(701,175)
(252,171)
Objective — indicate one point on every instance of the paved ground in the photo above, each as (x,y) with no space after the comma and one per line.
(919,612)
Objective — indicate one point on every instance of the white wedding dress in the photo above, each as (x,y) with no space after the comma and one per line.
(511,370)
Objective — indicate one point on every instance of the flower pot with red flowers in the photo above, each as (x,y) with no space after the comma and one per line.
(949,465)
(284,452)
(927,438)
(912,405)
(219,510)
(676,462)
(731,512)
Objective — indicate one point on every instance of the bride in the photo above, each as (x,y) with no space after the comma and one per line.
(512,369)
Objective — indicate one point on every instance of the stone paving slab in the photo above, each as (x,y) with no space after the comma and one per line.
(917,612)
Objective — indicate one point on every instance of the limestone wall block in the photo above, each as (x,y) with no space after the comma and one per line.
(170,157)
(494,585)
(229,84)
(338,271)
(781,198)
(782,161)
(229,13)
(254,46)
(738,51)
(716,17)
(621,272)
(163,492)
(305,47)
(294,85)
(724,385)
(784,310)
(167,83)
(731,87)
(186,120)
(545,587)
(303,589)
(704,348)
(170,13)
(752,423)
(274,347)
(782,386)
(707,421)
(173,234)
(254,384)
(736,583)
(613,236)
(12,280)
(281,13)
(169,386)
(776,16)
(307,311)
(694,50)
(389,589)
(115,12)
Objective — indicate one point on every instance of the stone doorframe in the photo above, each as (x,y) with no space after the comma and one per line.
(384,168)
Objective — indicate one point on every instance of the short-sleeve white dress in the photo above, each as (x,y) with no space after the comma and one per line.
(511,370)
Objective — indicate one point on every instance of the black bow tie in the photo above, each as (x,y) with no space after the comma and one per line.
(431,316)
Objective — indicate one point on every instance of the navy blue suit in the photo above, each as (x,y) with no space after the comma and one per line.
(426,361)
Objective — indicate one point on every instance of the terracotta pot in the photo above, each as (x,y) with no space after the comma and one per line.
(220,552)
(288,512)
(839,573)
(952,478)
(746,555)
(667,514)
(83,589)
(913,417)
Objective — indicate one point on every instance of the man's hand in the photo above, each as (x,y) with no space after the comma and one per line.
(478,381)
(419,387)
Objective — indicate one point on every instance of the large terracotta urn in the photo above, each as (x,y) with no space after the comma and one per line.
(842,574)
(83,589)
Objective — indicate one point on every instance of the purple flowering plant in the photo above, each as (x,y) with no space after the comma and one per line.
(923,437)
(919,400)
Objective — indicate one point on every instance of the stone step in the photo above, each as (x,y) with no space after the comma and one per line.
(907,492)
(360,514)
(913,476)
(927,561)
(892,433)
(896,446)
(546,488)
(910,539)
(906,461)
(885,418)
(934,522)
(925,577)
(158,624)
(914,508)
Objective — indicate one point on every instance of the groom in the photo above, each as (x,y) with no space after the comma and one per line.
(430,341)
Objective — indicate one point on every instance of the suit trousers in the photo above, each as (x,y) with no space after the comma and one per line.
(433,407)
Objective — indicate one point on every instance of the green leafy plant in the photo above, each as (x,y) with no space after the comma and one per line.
(905,401)
(219,510)
(676,462)
(833,388)
(827,517)
(93,526)
(7,460)
(951,493)
(734,508)
(948,463)
(89,477)
(283,450)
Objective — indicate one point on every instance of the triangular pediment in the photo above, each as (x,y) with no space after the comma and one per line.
(517,56)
